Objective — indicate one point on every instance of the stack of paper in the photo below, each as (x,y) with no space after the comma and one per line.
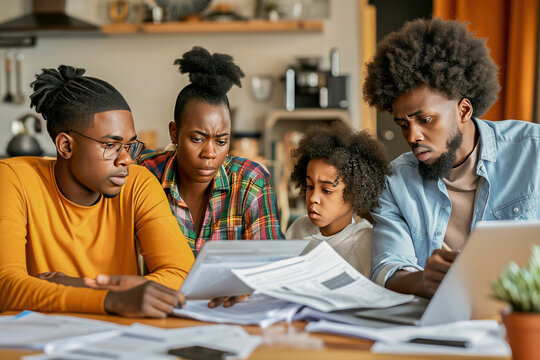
(483,337)
(35,331)
(320,279)
(66,337)
(148,342)
(258,309)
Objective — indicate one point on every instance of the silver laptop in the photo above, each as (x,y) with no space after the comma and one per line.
(211,274)
(465,291)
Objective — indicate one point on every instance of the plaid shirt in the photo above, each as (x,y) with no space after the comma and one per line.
(242,203)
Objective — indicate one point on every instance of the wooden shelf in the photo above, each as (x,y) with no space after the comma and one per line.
(252,26)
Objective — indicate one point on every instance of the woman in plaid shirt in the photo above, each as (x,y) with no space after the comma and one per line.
(213,196)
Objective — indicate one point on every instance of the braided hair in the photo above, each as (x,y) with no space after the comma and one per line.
(211,76)
(67,100)
(360,160)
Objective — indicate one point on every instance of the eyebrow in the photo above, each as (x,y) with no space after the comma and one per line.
(333,183)
(409,115)
(118,138)
(205,134)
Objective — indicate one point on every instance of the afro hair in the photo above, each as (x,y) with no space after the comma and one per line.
(360,160)
(441,54)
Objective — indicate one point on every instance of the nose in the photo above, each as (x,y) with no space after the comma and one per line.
(123,159)
(209,150)
(413,133)
(313,196)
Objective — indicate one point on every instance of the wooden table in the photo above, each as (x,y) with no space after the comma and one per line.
(280,341)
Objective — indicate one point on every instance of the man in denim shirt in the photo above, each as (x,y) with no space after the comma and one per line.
(437,79)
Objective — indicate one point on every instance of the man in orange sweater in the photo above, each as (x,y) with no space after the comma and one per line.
(71,227)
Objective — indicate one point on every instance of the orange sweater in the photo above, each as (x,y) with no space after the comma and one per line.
(41,230)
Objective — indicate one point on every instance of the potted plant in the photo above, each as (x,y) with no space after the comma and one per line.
(272,10)
(520,288)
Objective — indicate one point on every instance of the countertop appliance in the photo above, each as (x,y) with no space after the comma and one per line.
(307,86)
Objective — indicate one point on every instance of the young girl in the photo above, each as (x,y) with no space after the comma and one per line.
(341,173)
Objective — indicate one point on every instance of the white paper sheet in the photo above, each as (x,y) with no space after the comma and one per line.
(258,309)
(320,279)
(148,342)
(49,333)
(340,316)
(486,337)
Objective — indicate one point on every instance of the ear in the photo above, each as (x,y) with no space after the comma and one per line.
(173,132)
(465,109)
(64,145)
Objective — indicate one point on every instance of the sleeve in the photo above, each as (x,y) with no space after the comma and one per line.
(19,290)
(163,246)
(392,244)
(260,217)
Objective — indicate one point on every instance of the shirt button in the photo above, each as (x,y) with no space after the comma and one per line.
(447,207)
(515,210)
(438,233)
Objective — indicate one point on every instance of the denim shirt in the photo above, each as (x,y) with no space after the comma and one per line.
(413,213)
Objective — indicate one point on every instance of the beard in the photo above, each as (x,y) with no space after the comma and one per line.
(441,168)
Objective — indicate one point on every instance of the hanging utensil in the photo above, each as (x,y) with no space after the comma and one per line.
(9,64)
(19,96)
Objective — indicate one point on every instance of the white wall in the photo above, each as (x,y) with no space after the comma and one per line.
(140,66)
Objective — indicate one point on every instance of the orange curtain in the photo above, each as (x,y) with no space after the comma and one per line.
(510,27)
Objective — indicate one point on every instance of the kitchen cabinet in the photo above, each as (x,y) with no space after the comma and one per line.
(189,27)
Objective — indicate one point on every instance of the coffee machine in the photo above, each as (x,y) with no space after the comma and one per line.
(306,86)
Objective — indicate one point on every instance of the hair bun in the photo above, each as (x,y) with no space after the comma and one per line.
(216,73)
(49,84)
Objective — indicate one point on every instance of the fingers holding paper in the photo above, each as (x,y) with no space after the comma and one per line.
(227,301)
(148,299)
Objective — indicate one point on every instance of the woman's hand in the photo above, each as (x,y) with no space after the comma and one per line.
(227,301)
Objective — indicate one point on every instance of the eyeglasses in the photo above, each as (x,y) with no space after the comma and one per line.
(112,149)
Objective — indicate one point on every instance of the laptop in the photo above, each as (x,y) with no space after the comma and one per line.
(211,276)
(465,292)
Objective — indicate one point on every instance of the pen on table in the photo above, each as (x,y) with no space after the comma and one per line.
(440,342)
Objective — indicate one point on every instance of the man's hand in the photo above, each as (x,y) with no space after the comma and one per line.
(58,277)
(118,282)
(436,267)
(148,299)
(227,301)
(423,283)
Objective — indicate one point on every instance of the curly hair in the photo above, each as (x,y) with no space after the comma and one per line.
(211,76)
(360,160)
(441,54)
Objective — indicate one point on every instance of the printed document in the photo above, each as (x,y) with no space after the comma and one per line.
(485,337)
(50,333)
(147,342)
(320,279)
(258,309)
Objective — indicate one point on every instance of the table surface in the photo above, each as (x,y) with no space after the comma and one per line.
(280,341)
